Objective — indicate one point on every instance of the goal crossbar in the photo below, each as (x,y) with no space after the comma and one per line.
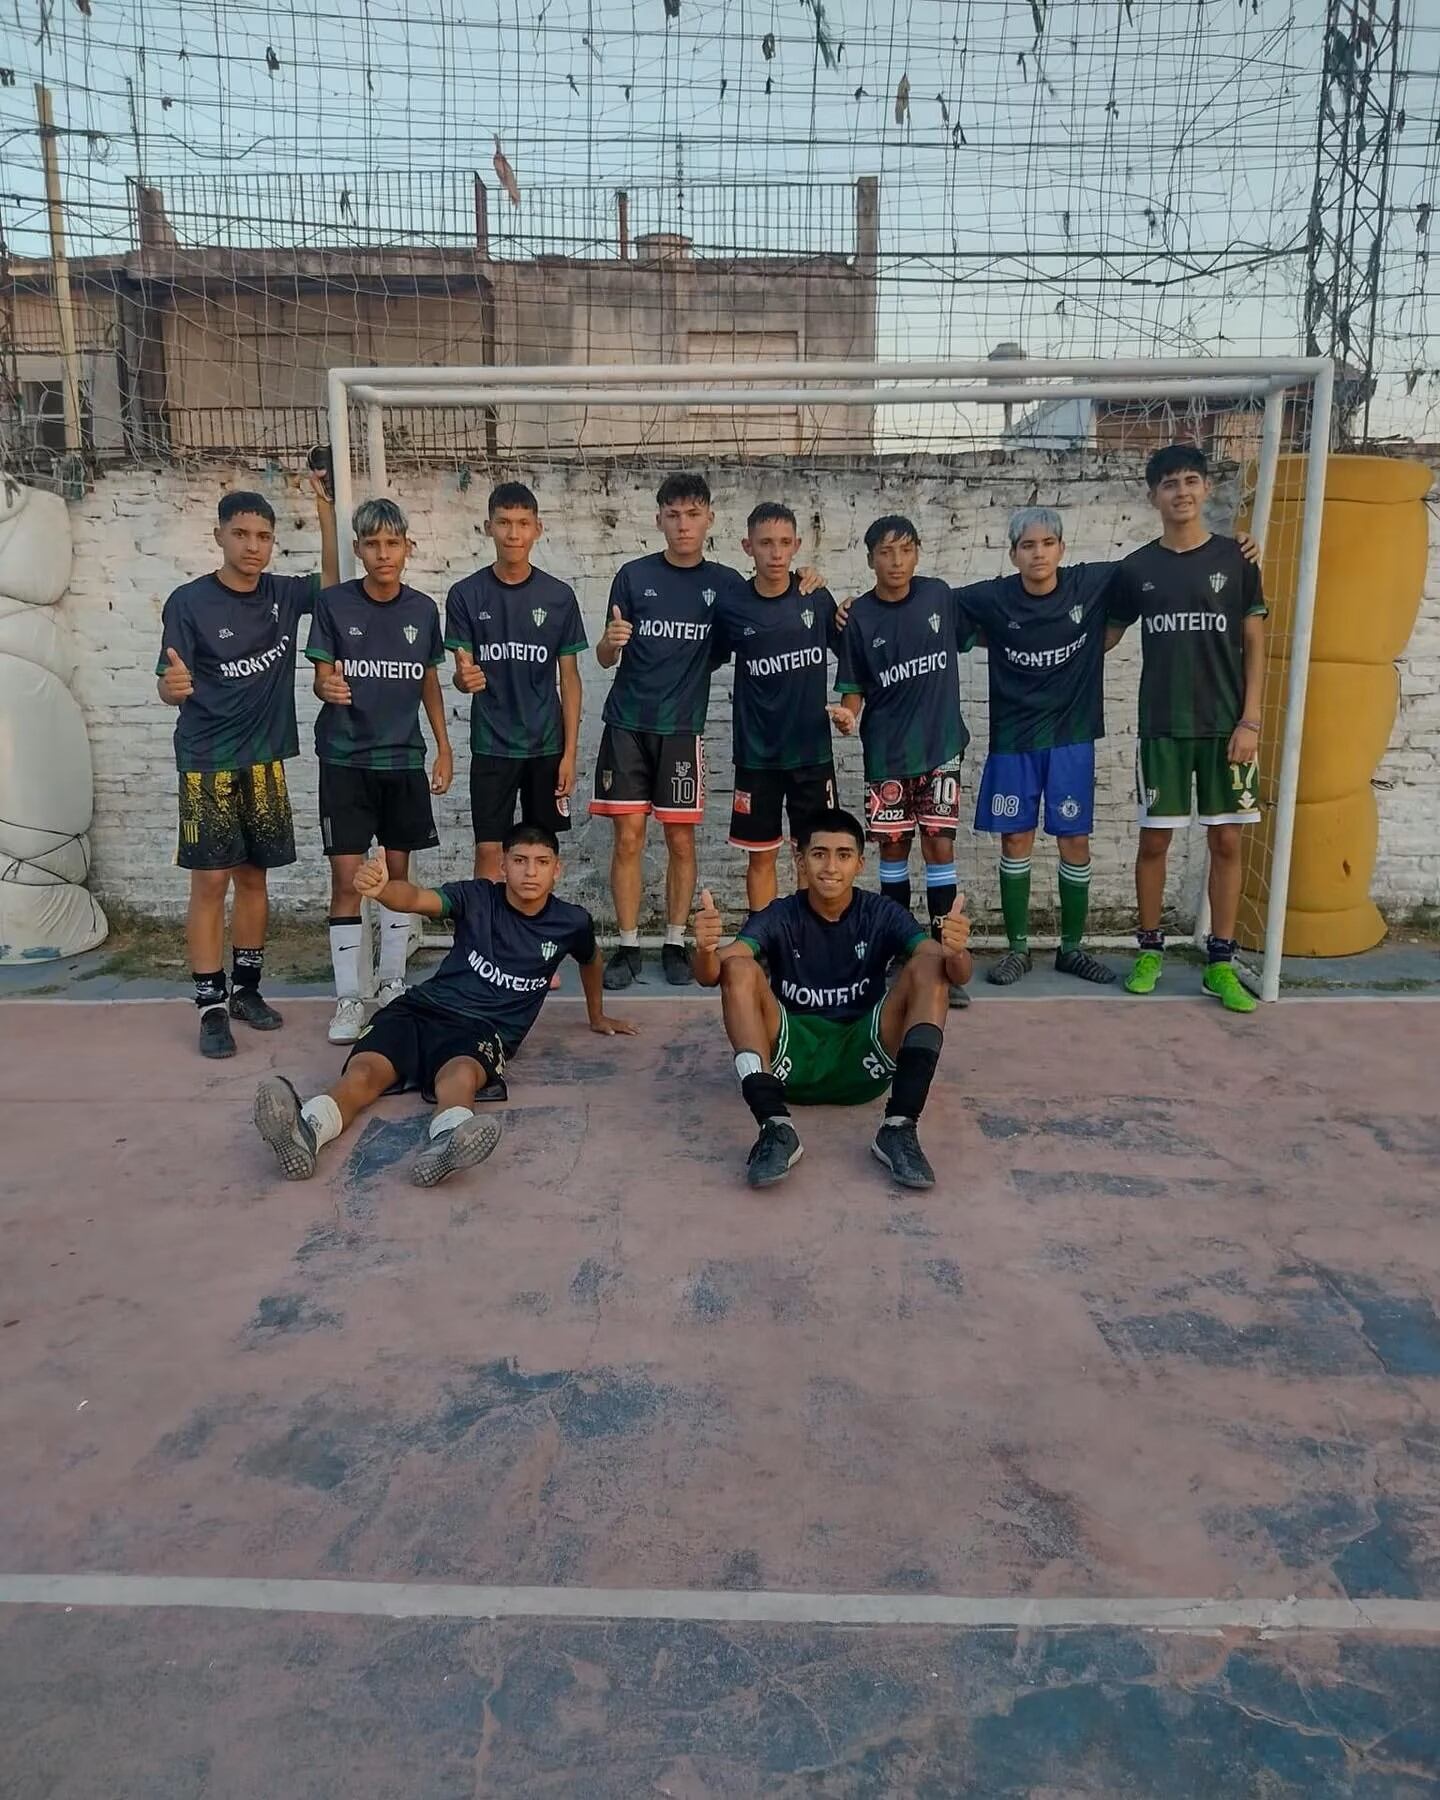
(979,382)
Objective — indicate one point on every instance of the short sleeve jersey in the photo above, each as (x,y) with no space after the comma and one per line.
(780,646)
(385,648)
(834,969)
(1046,656)
(498,970)
(240,651)
(517,632)
(1192,606)
(662,681)
(901,656)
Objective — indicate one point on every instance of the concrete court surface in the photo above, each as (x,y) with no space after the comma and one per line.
(1166,1328)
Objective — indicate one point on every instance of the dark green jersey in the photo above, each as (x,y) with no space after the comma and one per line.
(901,657)
(240,651)
(1192,606)
(662,681)
(383,648)
(781,687)
(517,632)
(1046,655)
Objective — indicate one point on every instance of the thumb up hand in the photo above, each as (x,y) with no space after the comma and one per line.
(331,685)
(619,630)
(708,925)
(372,876)
(175,683)
(469,676)
(955,929)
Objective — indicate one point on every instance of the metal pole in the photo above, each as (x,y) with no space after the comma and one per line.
(375,449)
(430,393)
(1269,370)
(622,215)
(60,273)
(1301,636)
(339,404)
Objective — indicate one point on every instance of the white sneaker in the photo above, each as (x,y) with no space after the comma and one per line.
(388,991)
(348,1023)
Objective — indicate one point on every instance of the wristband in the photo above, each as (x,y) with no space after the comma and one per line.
(1248,725)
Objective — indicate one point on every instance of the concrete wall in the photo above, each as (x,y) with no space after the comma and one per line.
(141,532)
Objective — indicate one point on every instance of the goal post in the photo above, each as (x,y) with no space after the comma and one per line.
(873,386)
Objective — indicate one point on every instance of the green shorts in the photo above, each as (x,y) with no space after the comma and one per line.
(824,1062)
(1169,769)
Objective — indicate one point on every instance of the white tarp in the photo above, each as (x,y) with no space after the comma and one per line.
(37,923)
(34,544)
(38,635)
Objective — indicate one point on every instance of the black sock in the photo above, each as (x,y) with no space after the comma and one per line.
(209,989)
(940,900)
(765,1096)
(1219,950)
(245,966)
(899,891)
(1150,940)
(914,1071)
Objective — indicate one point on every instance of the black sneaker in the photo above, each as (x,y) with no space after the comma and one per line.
(494,1089)
(898,1147)
(959,998)
(622,968)
(676,964)
(1083,964)
(774,1153)
(469,1143)
(285,1128)
(216,1037)
(1012,966)
(247,1005)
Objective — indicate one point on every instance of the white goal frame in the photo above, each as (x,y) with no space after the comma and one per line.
(879,384)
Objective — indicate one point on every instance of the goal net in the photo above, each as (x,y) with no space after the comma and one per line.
(954,446)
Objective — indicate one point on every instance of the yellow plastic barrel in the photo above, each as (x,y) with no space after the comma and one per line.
(1373,549)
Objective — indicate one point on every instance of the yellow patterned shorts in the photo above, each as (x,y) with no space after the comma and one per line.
(233,816)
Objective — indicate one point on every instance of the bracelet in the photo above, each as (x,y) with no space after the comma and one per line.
(1248,725)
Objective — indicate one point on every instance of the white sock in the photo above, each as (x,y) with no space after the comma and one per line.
(448,1120)
(345,936)
(747,1063)
(324,1117)
(630,940)
(394,944)
(675,934)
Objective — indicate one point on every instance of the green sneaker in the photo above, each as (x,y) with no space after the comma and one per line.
(1222,981)
(1149,965)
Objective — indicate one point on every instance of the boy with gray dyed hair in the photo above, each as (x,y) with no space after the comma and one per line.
(376,645)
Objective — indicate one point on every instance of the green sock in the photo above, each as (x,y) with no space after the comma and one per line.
(1015,900)
(1074,903)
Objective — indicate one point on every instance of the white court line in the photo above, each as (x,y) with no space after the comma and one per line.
(423,1600)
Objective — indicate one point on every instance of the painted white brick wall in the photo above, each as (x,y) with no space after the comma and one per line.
(142,532)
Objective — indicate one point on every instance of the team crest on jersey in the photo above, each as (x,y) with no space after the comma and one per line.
(1069,807)
(807,618)
(860,950)
(1077,613)
(1217,581)
(935,623)
(411,633)
(708,596)
(547,950)
(537,613)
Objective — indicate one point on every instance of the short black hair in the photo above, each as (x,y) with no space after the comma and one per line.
(530,834)
(685,486)
(771,512)
(835,818)
(1172,460)
(232,505)
(894,525)
(512,493)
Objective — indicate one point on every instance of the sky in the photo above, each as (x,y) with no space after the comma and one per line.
(1132,178)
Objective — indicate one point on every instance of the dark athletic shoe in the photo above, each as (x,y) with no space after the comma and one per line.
(247,1005)
(676,963)
(622,968)
(898,1147)
(1013,966)
(494,1089)
(1084,965)
(285,1128)
(774,1153)
(216,1037)
(469,1143)
(959,998)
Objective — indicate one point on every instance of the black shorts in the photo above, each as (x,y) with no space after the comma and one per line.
(761,793)
(418,1043)
(647,771)
(359,807)
(497,782)
(234,816)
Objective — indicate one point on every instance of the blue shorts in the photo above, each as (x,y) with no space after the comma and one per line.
(1011,786)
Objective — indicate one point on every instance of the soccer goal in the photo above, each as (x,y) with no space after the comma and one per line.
(1270,407)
